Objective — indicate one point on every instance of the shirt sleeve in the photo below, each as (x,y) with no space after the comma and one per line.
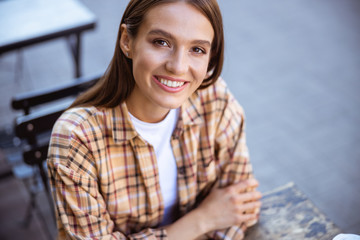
(232,156)
(79,206)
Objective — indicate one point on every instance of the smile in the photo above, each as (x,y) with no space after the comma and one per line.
(172,84)
(169,84)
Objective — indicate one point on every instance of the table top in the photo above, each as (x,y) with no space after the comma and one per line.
(24,22)
(287,214)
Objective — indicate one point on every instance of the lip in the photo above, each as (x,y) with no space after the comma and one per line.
(170,89)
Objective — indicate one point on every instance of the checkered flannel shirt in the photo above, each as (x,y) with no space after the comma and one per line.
(104,176)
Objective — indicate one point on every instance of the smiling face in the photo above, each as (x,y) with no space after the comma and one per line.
(170,56)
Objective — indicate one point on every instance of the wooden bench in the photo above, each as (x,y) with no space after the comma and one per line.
(40,109)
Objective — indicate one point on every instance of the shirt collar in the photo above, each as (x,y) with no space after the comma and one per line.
(189,114)
(190,110)
(122,127)
(124,130)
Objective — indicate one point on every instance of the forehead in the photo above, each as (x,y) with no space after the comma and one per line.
(180,19)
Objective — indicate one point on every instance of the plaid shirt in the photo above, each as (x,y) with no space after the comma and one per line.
(104,176)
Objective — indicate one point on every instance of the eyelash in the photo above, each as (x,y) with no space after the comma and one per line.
(196,49)
(164,43)
(161,42)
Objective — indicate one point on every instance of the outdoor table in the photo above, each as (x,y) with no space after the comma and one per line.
(24,23)
(288,214)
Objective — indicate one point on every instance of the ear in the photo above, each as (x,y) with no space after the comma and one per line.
(209,73)
(125,41)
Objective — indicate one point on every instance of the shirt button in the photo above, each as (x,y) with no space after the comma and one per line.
(182,170)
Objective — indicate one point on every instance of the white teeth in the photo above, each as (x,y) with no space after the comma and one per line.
(172,84)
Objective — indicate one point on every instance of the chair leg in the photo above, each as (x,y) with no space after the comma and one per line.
(31,206)
(33,188)
(74,43)
(44,223)
(19,69)
(29,176)
(44,179)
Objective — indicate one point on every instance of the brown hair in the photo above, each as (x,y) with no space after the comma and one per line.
(117,83)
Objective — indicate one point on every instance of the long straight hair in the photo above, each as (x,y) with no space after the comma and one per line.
(117,83)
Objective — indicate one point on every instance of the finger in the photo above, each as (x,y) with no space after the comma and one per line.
(243,198)
(244,185)
(242,218)
(251,207)
(251,196)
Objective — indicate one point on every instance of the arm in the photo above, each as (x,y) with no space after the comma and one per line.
(81,209)
(233,158)
(230,203)
(209,216)
(79,205)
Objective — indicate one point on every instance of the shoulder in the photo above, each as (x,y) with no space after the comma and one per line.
(74,117)
(78,121)
(219,98)
(216,91)
(74,139)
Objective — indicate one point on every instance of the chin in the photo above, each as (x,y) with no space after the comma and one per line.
(174,106)
(171,105)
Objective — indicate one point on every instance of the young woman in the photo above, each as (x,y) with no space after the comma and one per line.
(157,148)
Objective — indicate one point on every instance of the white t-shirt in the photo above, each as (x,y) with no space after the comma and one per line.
(158,135)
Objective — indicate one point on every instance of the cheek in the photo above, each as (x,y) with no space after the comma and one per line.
(146,62)
(200,67)
(142,62)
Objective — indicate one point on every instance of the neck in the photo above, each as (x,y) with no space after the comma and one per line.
(147,113)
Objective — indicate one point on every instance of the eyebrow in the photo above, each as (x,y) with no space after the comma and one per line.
(169,35)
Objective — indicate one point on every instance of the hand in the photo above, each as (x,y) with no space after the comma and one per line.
(233,205)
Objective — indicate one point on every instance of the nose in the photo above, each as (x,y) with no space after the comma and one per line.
(178,62)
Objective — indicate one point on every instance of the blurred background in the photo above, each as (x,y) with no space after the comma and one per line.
(293,65)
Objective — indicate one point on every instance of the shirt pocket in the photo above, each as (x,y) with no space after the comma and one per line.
(206,170)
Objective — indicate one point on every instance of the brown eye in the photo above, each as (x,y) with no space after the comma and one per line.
(198,50)
(161,42)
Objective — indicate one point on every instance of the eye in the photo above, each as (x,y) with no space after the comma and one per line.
(161,42)
(198,50)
